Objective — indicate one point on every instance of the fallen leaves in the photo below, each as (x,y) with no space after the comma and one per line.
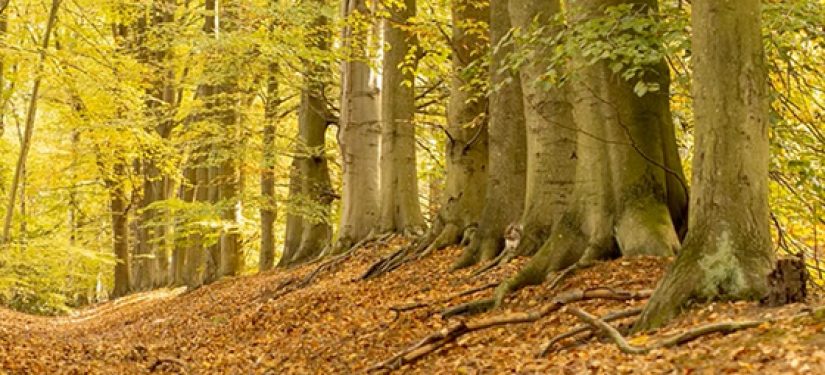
(338,325)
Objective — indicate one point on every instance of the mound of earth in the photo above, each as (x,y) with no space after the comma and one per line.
(338,324)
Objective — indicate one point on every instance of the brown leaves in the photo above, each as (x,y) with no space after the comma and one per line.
(338,325)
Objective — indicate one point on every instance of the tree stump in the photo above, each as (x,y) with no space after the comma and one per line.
(788,282)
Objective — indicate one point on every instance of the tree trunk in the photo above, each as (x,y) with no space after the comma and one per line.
(359,133)
(269,204)
(507,158)
(400,207)
(727,252)
(621,203)
(31,115)
(551,133)
(294,221)
(465,184)
(120,233)
(3,95)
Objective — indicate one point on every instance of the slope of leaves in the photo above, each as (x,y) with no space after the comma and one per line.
(339,325)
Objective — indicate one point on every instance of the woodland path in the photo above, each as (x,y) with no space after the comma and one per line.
(337,325)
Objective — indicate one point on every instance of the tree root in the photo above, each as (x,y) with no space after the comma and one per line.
(418,305)
(617,315)
(675,340)
(290,285)
(449,334)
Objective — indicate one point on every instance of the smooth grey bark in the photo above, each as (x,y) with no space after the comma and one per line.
(269,204)
(551,133)
(400,207)
(466,178)
(359,133)
(31,115)
(620,204)
(727,252)
(507,148)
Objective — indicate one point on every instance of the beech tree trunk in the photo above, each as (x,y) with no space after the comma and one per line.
(120,233)
(727,252)
(466,179)
(359,133)
(269,204)
(294,220)
(551,131)
(622,204)
(400,207)
(507,147)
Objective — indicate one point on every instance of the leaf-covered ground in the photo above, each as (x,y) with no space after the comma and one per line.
(340,325)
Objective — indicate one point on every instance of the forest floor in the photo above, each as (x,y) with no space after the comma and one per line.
(340,325)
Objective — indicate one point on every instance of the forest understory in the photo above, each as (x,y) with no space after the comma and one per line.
(285,321)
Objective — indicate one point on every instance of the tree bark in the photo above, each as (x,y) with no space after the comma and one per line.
(120,233)
(621,203)
(31,115)
(3,95)
(294,221)
(507,148)
(727,252)
(269,204)
(551,133)
(400,207)
(466,178)
(359,133)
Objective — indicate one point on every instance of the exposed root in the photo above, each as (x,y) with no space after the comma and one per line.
(499,260)
(418,305)
(452,332)
(617,315)
(469,308)
(290,285)
(159,363)
(679,339)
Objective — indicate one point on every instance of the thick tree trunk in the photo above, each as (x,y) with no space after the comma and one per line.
(466,180)
(507,158)
(551,133)
(120,233)
(294,221)
(358,134)
(181,253)
(727,253)
(620,203)
(314,172)
(229,185)
(400,207)
(269,204)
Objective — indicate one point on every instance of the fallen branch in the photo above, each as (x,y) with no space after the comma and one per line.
(545,349)
(449,334)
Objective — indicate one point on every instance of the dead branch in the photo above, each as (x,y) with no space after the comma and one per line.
(449,334)
(617,315)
